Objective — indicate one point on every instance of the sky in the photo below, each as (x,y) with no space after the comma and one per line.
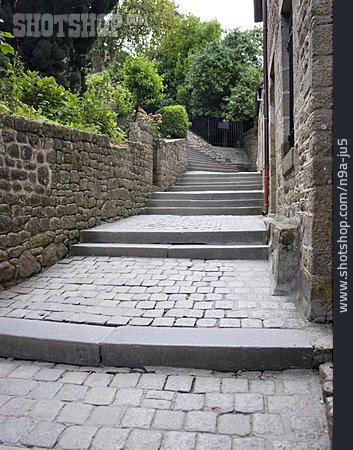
(230,13)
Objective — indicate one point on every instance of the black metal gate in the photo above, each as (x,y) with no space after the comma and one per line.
(218,133)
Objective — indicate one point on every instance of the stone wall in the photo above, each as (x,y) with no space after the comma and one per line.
(250,144)
(55,181)
(170,161)
(301,177)
(206,148)
(232,157)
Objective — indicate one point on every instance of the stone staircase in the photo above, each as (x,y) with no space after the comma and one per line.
(202,308)
(207,214)
(210,193)
(199,160)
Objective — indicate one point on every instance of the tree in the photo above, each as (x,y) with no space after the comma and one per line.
(142,80)
(143,23)
(241,102)
(173,55)
(223,76)
(63,57)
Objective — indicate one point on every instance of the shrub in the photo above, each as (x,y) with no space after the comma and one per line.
(142,80)
(114,95)
(47,96)
(175,122)
(25,93)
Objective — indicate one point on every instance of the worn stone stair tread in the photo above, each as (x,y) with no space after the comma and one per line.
(192,210)
(211,191)
(206,187)
(251,202)
(200,172)
(190,251)
(223,183)
(206,195)
(219,237)
(211,348)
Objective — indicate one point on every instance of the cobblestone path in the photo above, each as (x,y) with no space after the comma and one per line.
(185,223)
(67,407)
(156,292)
(47,405)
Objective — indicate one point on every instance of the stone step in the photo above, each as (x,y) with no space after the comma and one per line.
(244,252)
(207,187)
(198,348)
(248,202)
(209,211)
(209,195)
(215,182)
(221,176)
(210,169)
(96,235)
(209,164)
(197,161)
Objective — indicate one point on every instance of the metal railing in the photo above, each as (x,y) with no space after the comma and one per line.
(218,133)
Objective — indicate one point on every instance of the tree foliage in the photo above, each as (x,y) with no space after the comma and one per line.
(173,55)
(223,76)
(143,23)
(6,49)
(63,57)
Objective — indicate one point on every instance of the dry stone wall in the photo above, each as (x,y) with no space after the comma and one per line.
(206,148)
(170,161)
(56,181)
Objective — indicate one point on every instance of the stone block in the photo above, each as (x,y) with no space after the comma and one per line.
(284,254)
(28,265)
(75,437)
(13,429)
(238,424)
(178,439)
(201,421)
(7,271)
(137,418)
(111,438)
(168,420)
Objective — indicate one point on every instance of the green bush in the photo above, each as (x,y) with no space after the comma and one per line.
(142,80)
(175,122)
(113,94)
(25,93)
(44,94)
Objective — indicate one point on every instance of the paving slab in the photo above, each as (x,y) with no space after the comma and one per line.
(50,341)
(215,418)
(211,348)
(217,349)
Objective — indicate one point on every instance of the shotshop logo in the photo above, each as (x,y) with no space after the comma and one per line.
(73,25)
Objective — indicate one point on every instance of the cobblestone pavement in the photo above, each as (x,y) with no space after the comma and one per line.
(156,292)
(67,407)
(185,223)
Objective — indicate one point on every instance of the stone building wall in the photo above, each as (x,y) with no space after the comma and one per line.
(170,161)
(301,177)
(55,181)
